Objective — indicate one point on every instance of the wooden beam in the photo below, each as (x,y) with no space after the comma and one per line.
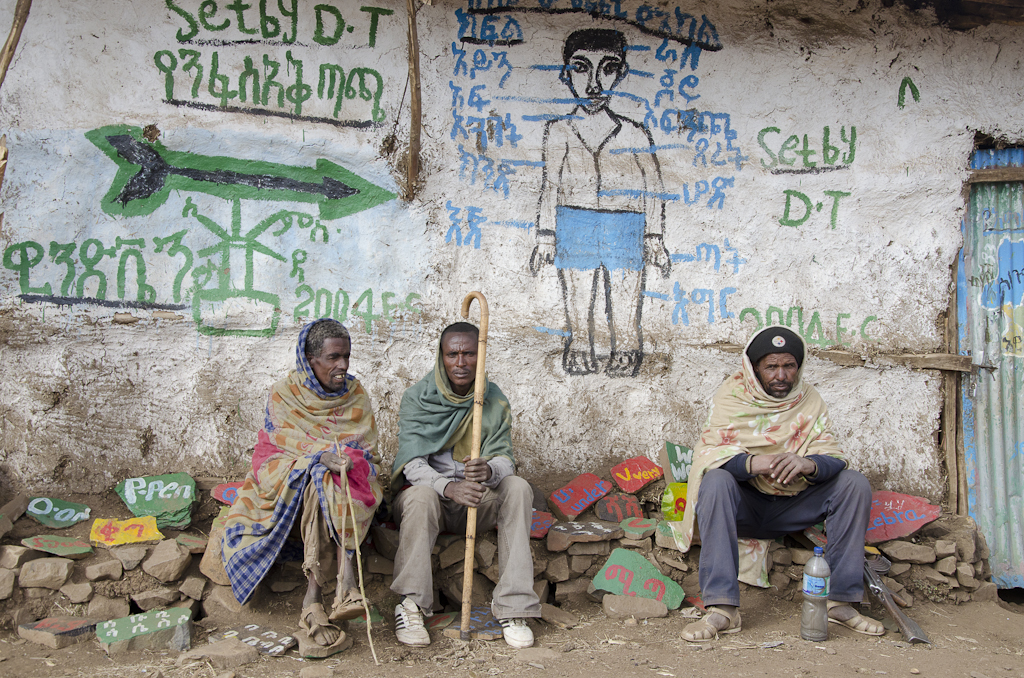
(921,361)
(20,17)
(415,104)
(996,175)
(950,393)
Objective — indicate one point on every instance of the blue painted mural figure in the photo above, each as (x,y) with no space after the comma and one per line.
(602,212)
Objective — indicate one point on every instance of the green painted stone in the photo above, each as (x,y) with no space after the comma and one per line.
(168,498)
(375,617)
(441,621)
(65,547)
(265,640)
(627,573)
(676,461)
(638,528)
(153,630)
(56,512)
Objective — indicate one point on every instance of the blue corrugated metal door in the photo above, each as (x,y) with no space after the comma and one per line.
(991,320)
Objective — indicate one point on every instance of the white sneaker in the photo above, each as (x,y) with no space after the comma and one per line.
(409,628)
(516,632)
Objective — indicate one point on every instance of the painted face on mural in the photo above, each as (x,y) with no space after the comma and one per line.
(458,351)
(777,373)
(592,74)
(331,366)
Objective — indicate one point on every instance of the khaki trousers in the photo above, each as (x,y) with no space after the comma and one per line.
(421,514)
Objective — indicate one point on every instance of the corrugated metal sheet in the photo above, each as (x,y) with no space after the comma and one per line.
(991,319)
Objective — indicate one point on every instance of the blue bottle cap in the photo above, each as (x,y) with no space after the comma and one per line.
(818,551)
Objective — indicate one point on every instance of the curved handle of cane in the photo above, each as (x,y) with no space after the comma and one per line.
(480,386)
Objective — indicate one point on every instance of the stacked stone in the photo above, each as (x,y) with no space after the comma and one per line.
(946,560)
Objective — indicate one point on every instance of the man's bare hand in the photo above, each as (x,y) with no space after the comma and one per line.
(478,470)
(784,468)
(465,492)
(340,464)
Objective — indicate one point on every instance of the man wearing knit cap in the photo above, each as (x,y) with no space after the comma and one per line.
(766,465)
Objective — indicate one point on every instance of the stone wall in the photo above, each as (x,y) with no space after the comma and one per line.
(188,183)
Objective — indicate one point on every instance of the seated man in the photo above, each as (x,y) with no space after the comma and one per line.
(435,424)
(767,465)
(318,434)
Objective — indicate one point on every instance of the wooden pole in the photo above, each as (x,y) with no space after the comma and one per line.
(415,110)
(20,17)
(359,564)
(479,389)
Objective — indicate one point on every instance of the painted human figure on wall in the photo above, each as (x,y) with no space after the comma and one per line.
(602,214)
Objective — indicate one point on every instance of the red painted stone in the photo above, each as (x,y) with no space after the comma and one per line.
(635,474)
(576,497)
(895,515)
(542,521)
(226,492)
(618,507)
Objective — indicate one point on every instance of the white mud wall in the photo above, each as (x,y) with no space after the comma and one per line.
(190,182)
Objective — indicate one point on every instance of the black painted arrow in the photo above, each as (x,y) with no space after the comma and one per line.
(155,169)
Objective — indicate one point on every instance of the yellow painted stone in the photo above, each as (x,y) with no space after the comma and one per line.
(116,532)
(673,502)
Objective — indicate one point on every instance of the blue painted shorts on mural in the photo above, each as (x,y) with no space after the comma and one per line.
(588,239)
(601,215)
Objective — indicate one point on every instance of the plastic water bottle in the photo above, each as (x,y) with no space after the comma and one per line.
(814,616)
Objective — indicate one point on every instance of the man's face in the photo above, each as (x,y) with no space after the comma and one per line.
(458,351)
(592,74)
(331,366)
(777,373)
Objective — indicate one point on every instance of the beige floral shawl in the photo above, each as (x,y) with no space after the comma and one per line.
(744,418)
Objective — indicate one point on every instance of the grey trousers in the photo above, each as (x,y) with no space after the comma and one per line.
(728,509)
(421,514)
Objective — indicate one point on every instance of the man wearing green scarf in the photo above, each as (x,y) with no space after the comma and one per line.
(436,481)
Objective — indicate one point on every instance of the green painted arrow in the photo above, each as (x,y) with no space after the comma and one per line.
(148,172)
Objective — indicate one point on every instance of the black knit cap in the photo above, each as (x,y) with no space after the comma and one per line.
(776,340)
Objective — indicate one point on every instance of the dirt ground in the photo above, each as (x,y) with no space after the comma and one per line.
(973,640)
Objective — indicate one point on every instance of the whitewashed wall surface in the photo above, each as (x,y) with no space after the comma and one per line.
(189,182)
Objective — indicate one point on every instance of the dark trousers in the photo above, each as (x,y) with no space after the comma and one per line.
(728,509)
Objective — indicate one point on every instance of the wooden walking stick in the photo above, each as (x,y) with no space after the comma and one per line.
(479,388)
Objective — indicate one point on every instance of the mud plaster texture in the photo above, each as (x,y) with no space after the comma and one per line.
(91,398)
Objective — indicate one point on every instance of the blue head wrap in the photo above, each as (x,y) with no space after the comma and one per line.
(303,367)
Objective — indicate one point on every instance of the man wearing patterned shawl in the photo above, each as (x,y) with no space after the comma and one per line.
(318,435)
(436,482)
(767,465)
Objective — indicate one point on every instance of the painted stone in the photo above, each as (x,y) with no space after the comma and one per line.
(664,537)
(56,512)
(65,547)
(265,640)
(58,632)
(627,573)
(576,497)
(153,630)
(226,492)
(673,502)
(482,625)
(895,515)
(635,474)
(561,535)
(111,532)
(221,521)
(193,543)
(542,521)
(675,462)
(441,621)
(168,498)
(638,528)
(375,617)
(617,507)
